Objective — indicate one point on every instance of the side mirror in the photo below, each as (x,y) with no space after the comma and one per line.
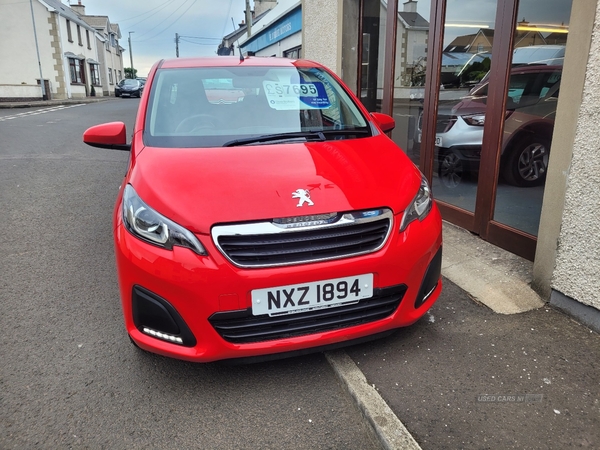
(108,135)
(385,122)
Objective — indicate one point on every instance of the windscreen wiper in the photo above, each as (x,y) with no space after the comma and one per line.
(313,135)
(306,135)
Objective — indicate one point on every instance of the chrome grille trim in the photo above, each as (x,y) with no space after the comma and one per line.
(267,244)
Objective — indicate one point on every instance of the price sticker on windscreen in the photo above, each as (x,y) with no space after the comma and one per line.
(286,96)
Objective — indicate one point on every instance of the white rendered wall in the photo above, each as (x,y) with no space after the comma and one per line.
(322,32)
(577,270)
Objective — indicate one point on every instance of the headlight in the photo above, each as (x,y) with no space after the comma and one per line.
(419,207)
(150,226)
(477,120)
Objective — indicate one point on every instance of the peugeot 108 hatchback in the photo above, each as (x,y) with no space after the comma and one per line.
(281,221)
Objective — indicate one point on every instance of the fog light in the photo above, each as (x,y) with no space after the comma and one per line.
(163,336)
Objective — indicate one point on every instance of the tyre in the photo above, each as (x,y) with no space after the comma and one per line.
(526,163)
(451,169)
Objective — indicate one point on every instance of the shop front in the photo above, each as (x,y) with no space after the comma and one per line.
(474,88)
(496,102)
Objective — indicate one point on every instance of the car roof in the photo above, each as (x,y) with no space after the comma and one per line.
(231,61)
(535,68)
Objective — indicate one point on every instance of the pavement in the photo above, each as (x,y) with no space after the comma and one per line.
(490,366)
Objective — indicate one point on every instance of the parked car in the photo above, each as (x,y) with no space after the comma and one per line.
(142,80)
(529,122)
(463,69)
(550,55)
(284,222)
(129,88)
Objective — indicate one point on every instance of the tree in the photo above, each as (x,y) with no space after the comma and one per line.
(128,73)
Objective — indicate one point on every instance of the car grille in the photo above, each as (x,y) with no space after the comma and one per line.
(309,239)
(242,327)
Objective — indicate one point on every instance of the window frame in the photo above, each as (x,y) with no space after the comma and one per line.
(69,32)
(77,71)
(95,74)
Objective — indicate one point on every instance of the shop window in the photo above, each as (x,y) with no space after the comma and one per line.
(293,53)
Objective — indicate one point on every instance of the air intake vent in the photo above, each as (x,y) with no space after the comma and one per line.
(242,327)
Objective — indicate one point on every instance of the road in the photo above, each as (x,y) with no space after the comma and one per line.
(69,377)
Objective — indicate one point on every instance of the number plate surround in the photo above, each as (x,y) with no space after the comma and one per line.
(298,298)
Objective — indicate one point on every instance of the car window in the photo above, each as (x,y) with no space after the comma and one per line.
(207,107)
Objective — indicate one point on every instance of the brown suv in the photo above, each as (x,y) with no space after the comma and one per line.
(530,111)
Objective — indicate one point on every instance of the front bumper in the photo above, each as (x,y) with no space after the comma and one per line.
(205,289)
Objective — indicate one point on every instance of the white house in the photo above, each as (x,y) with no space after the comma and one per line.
(45,38)
(109,51)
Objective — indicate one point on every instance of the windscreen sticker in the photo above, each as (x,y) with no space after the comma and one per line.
(292,96)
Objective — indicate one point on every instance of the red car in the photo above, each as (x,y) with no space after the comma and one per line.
(282,223)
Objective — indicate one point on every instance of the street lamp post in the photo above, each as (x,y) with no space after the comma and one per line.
(131,55)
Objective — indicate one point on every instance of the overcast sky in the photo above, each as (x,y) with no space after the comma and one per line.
(201,23)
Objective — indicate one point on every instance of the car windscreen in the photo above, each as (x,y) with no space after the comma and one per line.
(212,107)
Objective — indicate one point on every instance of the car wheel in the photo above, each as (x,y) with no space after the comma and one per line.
(526,164)
(451,169)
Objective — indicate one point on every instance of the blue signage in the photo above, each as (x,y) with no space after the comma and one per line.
(282,28)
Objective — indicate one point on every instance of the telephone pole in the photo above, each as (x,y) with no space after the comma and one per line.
(131,55)
(177,45)
(248,18)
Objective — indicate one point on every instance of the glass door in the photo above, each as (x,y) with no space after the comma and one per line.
(538,51)
(372,48)
(466,59)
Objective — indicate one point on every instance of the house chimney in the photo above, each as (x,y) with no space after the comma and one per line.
(410,6)
(78,8)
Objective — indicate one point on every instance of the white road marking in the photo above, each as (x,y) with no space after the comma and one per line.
(39,111)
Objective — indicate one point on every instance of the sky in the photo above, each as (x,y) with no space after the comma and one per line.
(153,23)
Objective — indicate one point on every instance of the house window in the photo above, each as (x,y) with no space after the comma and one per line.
(120,76)
(107,45)
(95,74)
(77,70)
(87,37)
(110,77)
(79,35)
(69,35)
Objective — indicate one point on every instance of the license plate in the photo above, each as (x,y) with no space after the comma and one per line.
(125,94)
(438,141)
(296,298)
